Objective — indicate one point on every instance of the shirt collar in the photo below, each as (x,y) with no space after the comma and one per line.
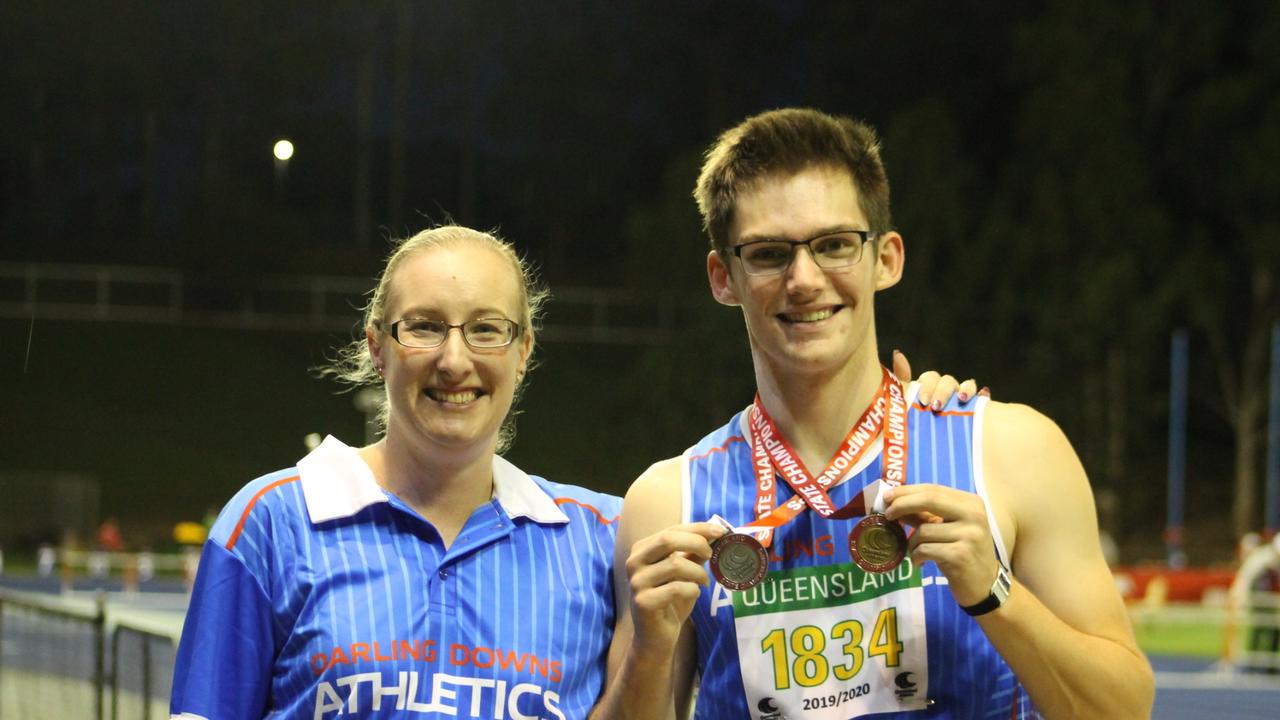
(520,496)
(337,483)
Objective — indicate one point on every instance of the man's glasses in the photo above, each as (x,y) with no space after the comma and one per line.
(483,333)
(829,251)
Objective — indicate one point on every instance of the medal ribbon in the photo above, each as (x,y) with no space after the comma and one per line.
(770,452)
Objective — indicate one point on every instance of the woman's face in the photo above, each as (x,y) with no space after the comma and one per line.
(454,394)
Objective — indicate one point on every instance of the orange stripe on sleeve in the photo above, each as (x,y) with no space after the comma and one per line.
(723,447)
(925,408)
(571,501)
(235,535)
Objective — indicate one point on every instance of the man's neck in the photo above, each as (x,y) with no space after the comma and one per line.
(443,486)
(815,412)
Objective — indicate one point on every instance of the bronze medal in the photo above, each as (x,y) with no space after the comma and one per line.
(738,561)
(877,543)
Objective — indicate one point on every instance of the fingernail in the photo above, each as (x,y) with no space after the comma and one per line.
(896,352)
(923,399)
(964,396)
(937,405)
(985,391)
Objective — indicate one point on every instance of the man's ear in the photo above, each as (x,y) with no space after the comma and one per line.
(890,257)
(718,277)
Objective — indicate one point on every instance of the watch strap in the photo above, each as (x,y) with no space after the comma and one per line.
(999,593)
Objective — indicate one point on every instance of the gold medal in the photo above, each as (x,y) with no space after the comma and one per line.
(877,543)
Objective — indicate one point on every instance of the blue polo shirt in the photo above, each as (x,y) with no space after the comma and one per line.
(321,595)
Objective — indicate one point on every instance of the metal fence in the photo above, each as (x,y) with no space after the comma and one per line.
(144,660)
(70,658)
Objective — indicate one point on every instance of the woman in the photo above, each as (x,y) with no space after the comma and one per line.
(423,575)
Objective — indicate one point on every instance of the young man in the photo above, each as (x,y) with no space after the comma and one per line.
(1002,606)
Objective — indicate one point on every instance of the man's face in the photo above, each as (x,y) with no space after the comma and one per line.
(806,319)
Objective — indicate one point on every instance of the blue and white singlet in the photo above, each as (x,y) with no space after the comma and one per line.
(821,639)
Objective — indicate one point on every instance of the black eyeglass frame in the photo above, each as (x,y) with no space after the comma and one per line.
(864,235)
(516,330)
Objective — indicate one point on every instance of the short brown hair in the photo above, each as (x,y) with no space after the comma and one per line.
(788,141)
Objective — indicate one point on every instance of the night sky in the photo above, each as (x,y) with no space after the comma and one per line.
(1075,182)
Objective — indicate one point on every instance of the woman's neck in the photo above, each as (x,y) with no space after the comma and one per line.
(443,485)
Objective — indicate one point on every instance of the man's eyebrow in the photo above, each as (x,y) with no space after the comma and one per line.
(830,230)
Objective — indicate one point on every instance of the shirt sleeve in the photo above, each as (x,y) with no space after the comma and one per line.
(224,661)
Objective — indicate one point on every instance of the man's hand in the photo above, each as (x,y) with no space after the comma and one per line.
(951,529)
(666,574)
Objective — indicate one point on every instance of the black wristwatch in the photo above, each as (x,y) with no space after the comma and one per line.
(999,593)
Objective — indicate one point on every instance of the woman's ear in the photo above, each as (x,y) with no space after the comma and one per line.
(375,350)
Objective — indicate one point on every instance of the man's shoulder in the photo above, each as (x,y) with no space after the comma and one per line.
(661,477)
(1014,426)
(1027,460)
(655,498)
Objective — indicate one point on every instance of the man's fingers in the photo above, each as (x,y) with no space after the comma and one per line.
(675,568)
(708,530)
(947,532)
(692,539)
(675,554)
(963,552)
(918,519)
(666,595)
(925,500)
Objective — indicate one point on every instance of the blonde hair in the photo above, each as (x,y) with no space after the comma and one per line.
(354,365)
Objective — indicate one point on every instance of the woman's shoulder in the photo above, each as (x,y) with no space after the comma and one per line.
(276,495)
(603,507)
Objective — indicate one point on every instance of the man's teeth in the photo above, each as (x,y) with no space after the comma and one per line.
(812,316)
(453,397)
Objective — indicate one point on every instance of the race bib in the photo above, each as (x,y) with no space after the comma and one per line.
(833,642)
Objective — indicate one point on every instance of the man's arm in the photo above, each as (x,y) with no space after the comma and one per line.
(651,658)
(1063,630)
